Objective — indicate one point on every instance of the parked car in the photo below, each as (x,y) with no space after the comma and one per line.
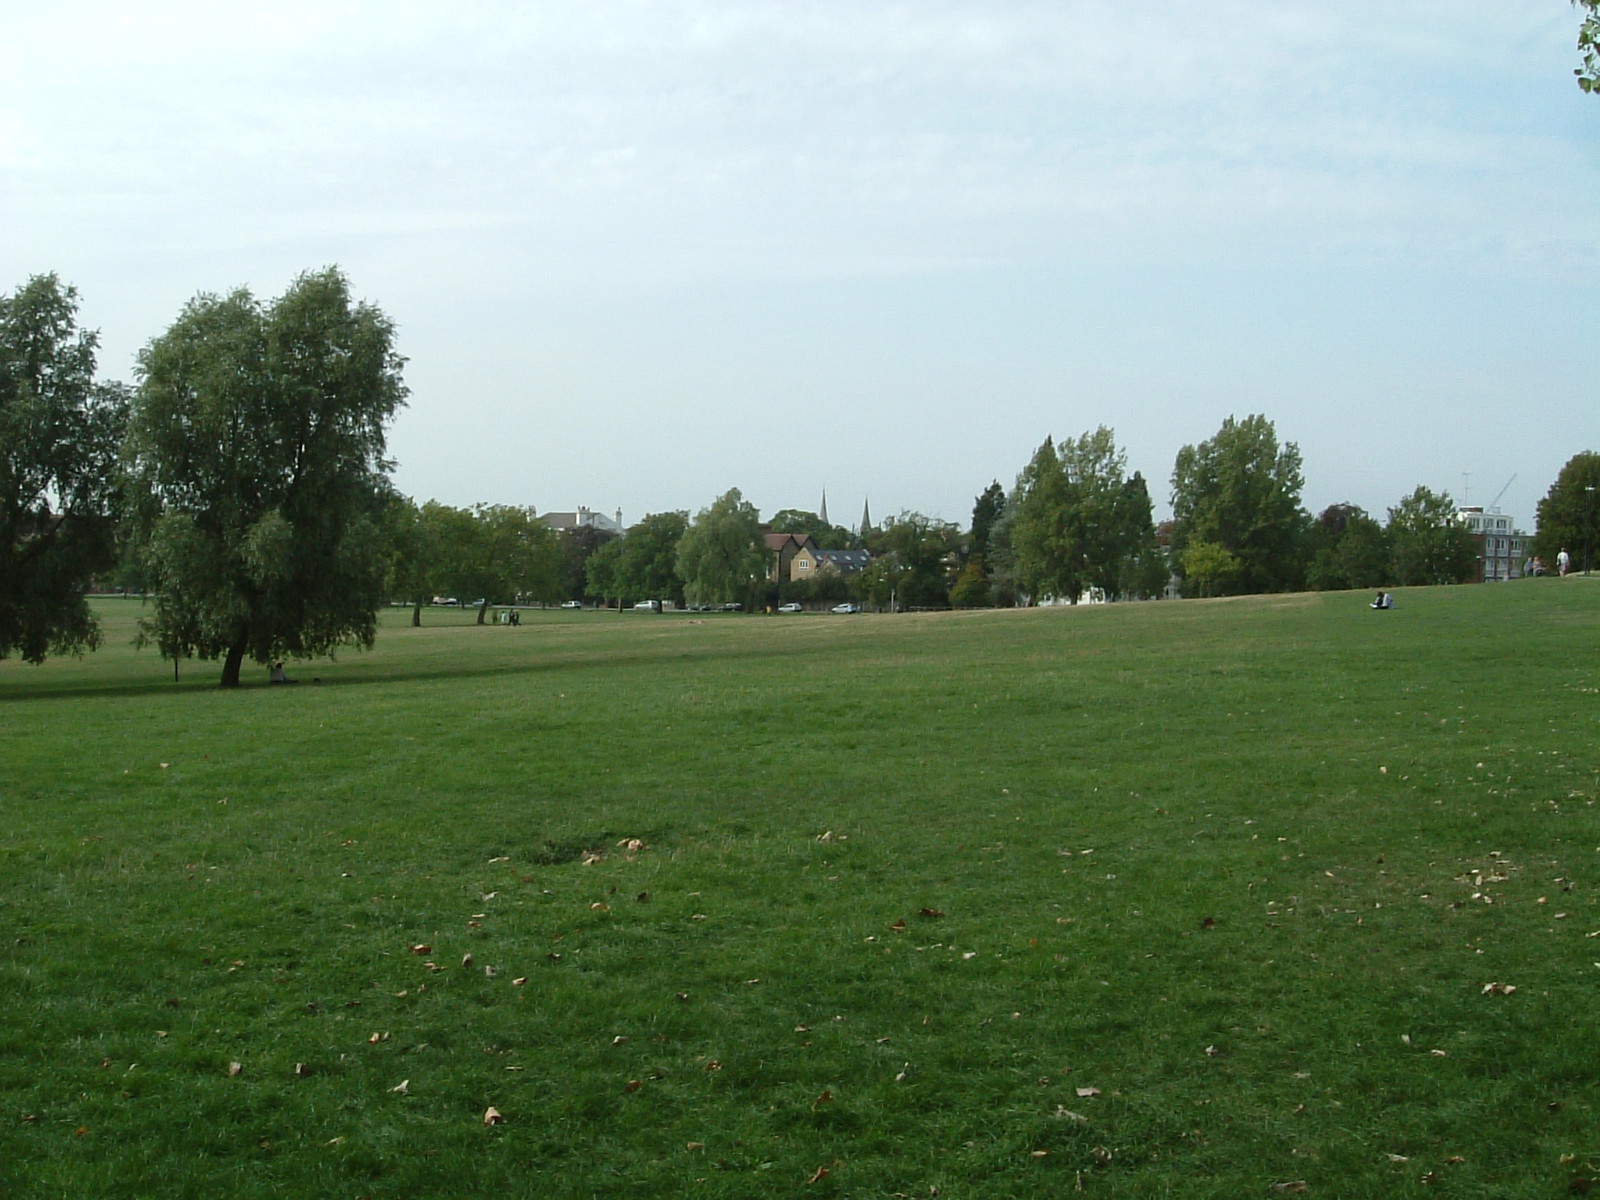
(731,606)
(571,604)
(847,607)
(647,606)
(792,606)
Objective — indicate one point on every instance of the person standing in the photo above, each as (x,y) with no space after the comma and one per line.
(1563,561)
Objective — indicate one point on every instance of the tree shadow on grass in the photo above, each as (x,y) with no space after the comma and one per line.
(381,675)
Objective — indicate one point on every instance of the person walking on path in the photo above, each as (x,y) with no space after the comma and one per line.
(1563,561)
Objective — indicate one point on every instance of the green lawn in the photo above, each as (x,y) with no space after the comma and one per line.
(1187,899)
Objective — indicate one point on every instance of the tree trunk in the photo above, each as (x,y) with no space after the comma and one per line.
(482,608)
(416,615)
(231,664)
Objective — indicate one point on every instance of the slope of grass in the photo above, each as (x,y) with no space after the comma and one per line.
(1178,899)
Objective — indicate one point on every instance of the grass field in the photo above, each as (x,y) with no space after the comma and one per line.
(1214,898)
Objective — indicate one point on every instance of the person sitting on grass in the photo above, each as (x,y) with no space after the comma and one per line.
(1382,600)
(277,675)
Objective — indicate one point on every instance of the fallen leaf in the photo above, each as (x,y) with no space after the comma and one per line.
(599,906)
(621,1039)
(378,1037)
(694,1145)
(466,961)
(932,913)
(301,1070)
(421,949)
(713,1065)
(403,1088)
(1040,1153)
(1066,1114)
(899,925)
(519,981)
(490,972)
(633,1085)
(825,1098)
(1398,1158)
(821,1173)
(491,1116)
(643,897)
(500,859)
(1209,923)
(336,1141)
(234,1068)
(1084,1093)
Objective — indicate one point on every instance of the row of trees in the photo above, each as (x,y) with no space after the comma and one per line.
(244,484)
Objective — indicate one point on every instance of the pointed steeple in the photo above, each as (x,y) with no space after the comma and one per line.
(866,518)
(823,512)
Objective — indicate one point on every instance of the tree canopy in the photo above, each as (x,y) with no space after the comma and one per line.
(258,477)
(1427,543)
(1569,514)
(721,556)
(1241,491)
(1589,45)
(59,435)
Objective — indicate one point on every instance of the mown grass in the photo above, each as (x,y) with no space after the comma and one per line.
(1214,890)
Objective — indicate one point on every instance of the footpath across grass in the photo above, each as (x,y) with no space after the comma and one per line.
(1265,896)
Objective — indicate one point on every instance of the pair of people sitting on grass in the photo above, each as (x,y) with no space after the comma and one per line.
(1382,600)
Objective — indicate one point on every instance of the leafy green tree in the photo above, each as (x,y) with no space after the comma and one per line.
(1211,567)
(257,473)
(577,547)
(1348,549)
(800,522)
(1241,491)
(1079,520)
(59,433)
(971,589)
(1569,514)
(409,556)
(602,571)
(923,551)
(986,510)
(1044,535)
(721,557)
(1427,544)
(1589,45)
(647,564)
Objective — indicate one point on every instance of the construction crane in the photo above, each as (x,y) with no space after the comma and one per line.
(1491,507)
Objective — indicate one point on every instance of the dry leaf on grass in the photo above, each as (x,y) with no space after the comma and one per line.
(419,948)
(491,1116)
(930,913)
(1084,1093)
(403,1088)
(825,1098)
(234,1068)
(1499,989)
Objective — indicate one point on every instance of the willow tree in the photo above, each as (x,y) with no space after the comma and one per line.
(258,476)
(58,448)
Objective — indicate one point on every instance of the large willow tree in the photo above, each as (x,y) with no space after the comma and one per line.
(257,468)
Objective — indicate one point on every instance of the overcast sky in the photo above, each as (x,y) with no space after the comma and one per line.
(640,253)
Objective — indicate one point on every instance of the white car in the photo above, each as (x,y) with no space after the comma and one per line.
(789,607)
(847,607)
(571,604)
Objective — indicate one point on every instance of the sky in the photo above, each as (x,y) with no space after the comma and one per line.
(639,253)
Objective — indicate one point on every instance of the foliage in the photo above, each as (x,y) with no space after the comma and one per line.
(1589,45)
(413,550)
(971,588)
(721,557)
(59,434)
(917,555)
(800,522)
(1427,544)
(1569,514)
(1079,521)
(1210,567)
(1348,549)
(258,477)
(986,510)
(643,563)
(1241,491)
(577,547)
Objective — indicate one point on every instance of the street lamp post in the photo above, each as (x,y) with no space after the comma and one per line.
(1588,524)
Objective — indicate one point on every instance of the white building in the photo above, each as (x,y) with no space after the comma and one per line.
(1502,548)
(583,519)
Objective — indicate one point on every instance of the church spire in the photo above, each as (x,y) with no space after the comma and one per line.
(824,511)
(866,518)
